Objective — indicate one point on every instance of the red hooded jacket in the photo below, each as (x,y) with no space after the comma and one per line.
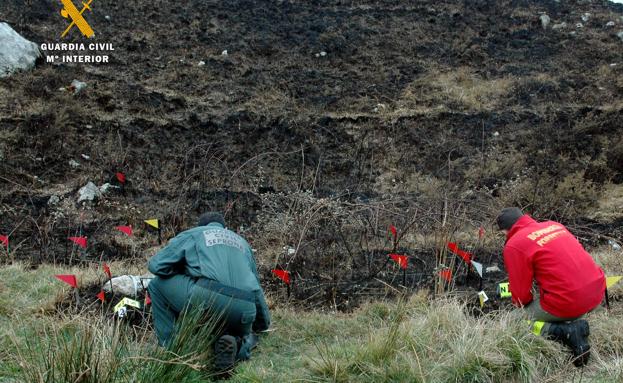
(570,283)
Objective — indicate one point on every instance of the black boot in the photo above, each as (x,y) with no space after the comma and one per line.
(225,351)
(575,336)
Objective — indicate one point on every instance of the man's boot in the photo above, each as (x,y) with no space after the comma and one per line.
(575,336)
(225,351)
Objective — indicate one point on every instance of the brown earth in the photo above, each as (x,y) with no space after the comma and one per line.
(429,116)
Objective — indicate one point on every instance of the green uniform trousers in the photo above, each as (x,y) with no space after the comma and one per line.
(171,296)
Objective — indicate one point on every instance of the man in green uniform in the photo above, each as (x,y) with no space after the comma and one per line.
(211,268)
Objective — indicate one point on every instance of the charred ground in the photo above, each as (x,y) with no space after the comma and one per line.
(326,122)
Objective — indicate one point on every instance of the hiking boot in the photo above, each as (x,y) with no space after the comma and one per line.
(575,336)
(225,350)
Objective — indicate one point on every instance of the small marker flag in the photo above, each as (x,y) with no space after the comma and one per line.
(401,260)
(126,302)
(482,297)
(80,241)
(481,232)
(4,240)
(120,177)
(147,299)
(446,274)
(478,267)
(127,230)
(453,247)
(101,296)
(504,289)
(153,222)
(611,281)
(394,231)
(107,270)
(284,275)
(70,279)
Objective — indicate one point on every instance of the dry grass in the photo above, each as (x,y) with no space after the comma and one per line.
(462,87)
(415,340)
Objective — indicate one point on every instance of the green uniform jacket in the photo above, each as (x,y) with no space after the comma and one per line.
(215,253)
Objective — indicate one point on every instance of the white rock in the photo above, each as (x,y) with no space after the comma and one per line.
(545,20)
(224,53)
(85,156)
(16,53)
(610,24)
(128,285)
(201,63)
(586,17)
(106,187)
(88,192)
(78,86)
(579,25)
(559,26)
(291,251)
(54,200)
(107,17)
(492,269)
(615,246)
(323,53)
(74,164)
(495,134)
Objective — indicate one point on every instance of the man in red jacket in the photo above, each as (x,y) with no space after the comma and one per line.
(570,283)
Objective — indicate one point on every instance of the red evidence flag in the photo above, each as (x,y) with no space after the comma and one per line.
(446,274)
(4,239)
(283,275)
(394,231)
(80,241)
(101,296)
(127,230)
(121,177)
(147,299)
(402,260)
(70,279)
(481,232)
(453,247)
(107,270)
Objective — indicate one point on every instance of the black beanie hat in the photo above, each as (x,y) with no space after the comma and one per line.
(211,216)
(508,216)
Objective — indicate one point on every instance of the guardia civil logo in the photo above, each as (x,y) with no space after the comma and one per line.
(71,12)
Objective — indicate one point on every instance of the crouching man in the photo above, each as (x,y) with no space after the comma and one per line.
(210,268)
(570,283)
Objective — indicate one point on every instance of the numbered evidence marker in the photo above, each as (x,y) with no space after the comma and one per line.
(120,308)
(482,297)
(504,290)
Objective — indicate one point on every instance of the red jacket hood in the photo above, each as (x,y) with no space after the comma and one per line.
(522,222)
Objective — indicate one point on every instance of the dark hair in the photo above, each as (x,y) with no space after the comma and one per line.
(211,216)
(508,216)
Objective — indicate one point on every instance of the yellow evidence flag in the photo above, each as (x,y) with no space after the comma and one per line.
(611,281)
(153,222)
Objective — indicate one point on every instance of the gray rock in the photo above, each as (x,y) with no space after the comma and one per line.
(78,86)
(545,20)
(559,26)
(74,164)
(54,200)
(88,192)
(620,35)
(585,17)
(128,285)
(106,187)
(16,53)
